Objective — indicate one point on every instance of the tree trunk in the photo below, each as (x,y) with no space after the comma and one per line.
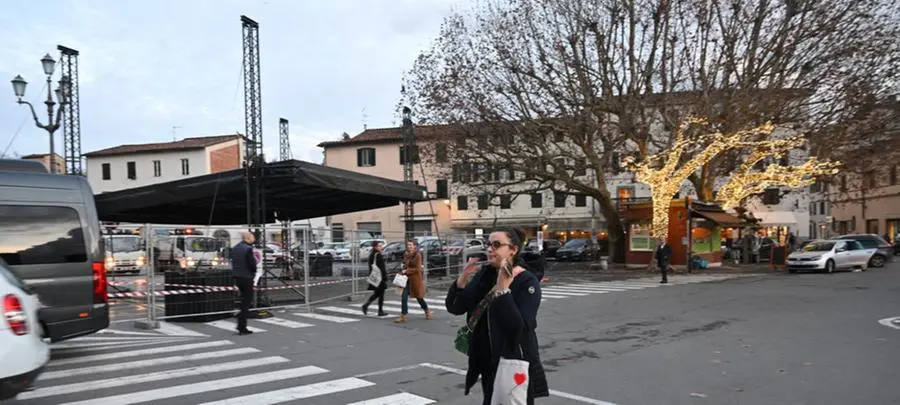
(613,224)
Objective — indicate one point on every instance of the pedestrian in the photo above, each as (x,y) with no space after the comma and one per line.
(376,263)
(663,254)
(243,267)
(501,301)
(415,282)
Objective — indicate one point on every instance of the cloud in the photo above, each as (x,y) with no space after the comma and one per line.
(149,66)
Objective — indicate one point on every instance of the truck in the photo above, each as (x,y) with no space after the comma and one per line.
(125,253)
(188,251)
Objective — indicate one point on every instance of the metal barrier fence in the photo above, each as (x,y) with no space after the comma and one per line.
(159,272)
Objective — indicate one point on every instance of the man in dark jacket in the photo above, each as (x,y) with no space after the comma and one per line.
(243,265)
(663,254)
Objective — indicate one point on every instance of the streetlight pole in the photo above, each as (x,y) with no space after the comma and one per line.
(62,95)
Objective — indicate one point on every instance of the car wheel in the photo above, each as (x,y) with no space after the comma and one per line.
(829,266)
(877,261)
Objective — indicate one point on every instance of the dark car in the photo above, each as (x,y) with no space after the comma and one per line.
(884,250)
(577,249)
(394,251)
(548,250)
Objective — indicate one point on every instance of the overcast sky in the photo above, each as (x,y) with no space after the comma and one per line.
(148,66)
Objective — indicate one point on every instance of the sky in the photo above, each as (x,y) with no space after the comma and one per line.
(153,69)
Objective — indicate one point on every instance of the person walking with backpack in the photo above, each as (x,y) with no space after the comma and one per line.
(377,280)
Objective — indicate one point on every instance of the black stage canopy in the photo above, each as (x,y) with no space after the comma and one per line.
(294,189)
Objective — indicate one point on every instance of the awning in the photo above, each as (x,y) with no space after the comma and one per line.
(721,218)
(776,218)
(532,222)
(294,189)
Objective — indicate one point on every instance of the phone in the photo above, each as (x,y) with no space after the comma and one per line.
(508,269)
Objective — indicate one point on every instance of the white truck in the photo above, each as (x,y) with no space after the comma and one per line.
(189,252)
(125,253)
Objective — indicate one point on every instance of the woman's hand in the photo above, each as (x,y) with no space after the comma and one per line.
(468,271)
(504,280)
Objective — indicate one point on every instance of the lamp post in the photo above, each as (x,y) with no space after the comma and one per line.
(62,94)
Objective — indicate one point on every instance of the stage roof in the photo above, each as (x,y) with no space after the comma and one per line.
(295,190)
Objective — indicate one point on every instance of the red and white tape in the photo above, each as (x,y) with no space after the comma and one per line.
(200,289)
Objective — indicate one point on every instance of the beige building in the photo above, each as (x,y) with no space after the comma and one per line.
(866,203)
(380,152)
(44,158)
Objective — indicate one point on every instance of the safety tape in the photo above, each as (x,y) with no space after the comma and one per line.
(196,289)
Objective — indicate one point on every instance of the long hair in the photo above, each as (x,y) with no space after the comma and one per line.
(373,253)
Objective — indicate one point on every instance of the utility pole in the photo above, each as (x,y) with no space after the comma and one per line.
(68,60)
(410,155)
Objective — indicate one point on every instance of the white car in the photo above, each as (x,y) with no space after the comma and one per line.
(830,255)
(23,352)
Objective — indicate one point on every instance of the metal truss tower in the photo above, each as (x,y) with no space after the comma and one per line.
(410,157)
(68,59)
(284,136)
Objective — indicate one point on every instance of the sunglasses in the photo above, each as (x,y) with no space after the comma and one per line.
(497,244)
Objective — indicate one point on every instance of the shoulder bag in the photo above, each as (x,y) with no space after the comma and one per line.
(464,333)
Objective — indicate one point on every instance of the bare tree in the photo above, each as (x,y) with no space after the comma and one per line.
(554,91)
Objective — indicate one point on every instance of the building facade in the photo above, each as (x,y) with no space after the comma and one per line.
(866,203)
(129,166)
(44,158)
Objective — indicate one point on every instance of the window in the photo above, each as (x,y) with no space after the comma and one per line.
(870,181)
(185,167)
(462,202)
(624,193)
(106,171)
(872,226)
(365,157)
(892,175)
(40,235)
(559,200)
(639,237)
(580,169)
(442,191)
(844,183)
(415,155)
(337,232)
(440,153)
(812,208)
(132,170)
(157,168)
(483,202)
(537,200)
(822,208)
(505,202)
(772,196)
(580,200)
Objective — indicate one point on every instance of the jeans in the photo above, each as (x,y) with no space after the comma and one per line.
(404,302)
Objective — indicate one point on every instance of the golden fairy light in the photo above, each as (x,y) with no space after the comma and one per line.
(743,184)
(666,171)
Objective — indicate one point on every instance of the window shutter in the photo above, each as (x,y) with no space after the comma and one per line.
(359,157)
(372,156)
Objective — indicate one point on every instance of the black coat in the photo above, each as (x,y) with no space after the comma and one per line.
(511,318)
(377,258)
(663,253)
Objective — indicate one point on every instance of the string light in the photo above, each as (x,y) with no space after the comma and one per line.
(666,180)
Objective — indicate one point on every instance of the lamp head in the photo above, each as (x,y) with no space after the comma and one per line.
(48,64)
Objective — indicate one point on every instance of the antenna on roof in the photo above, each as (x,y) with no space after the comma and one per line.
(174,127)
(365,119)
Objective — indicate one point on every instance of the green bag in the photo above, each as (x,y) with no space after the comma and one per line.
(465,332)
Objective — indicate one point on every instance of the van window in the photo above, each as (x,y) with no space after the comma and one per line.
(40,235)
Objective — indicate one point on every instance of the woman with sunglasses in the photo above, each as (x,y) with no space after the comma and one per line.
(510,296)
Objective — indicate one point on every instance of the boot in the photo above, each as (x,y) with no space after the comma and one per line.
(428,315)
(365,308)
(401,319)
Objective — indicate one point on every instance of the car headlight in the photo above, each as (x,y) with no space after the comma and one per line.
(815,258)
(139,261)
(110,262)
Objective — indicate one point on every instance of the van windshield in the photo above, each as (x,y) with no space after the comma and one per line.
(41,235)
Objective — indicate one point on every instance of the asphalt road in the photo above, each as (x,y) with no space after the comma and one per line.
(777,339)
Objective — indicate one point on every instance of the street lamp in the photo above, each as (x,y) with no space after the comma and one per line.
(62,96)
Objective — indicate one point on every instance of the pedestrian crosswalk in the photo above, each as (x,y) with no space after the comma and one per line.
(339,313)
(208,373)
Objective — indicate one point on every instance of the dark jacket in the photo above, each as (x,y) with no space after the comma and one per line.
(508,324)
(377,258)
(663,253)
(243,264)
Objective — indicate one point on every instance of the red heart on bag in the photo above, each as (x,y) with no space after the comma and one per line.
(519,378)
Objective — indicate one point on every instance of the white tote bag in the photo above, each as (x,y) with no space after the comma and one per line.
(374,275)
(400,280)
(511,383)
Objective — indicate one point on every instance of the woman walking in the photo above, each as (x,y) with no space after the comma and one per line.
(376,258)
(501,301)
(415,283)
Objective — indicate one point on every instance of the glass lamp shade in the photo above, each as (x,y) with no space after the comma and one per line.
(19,85)
(48,63)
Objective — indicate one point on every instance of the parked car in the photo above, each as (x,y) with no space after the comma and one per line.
(884,250)
(24,354)
(394,251)
(551,246)
(469,248)
(577,249)
(830,255)
(50,238)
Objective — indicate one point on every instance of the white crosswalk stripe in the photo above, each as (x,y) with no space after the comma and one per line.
(570,290)
(232,326)
(202,374)
(328,318)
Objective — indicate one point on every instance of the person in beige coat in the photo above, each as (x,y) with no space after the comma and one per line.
(415,283)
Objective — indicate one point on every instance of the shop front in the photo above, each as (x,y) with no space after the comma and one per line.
(708,224)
